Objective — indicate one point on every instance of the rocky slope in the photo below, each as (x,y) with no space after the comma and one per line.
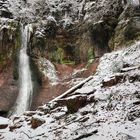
(105,107)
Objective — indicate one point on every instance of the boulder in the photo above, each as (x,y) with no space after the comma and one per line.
(15,126)
(37,121)
(75,102)
(85,90)
(128,28)
(133,114)
(111,81)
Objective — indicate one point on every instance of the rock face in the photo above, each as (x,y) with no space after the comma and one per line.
(76,31)
(9,43)
(128,28)
(68,31)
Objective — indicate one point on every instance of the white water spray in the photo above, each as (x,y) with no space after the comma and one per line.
(25,83)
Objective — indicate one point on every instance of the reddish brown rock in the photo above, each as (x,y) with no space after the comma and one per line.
(36,121)
(75,103)
(8,91)
(49,92)
(111,81)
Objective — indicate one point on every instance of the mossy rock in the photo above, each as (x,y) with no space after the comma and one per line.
(9,43)
(126,33)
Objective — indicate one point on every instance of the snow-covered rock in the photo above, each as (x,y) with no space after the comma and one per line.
(3,122)
(85,90)
(36,121)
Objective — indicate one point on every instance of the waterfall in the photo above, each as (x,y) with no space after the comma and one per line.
(25,83)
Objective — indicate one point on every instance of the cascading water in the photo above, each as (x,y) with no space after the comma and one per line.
(25,83)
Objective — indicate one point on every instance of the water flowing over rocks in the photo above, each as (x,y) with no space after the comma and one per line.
(25,86)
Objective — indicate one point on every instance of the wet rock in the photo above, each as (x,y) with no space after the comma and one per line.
(134,78)
(76,102)
(15,126)
(3,113)
(61,102)
(136,102)
(86,135)
(37,121)
(4,12)
(123,136)
(111,81)
(8,46)
(84,119)
(85,112)
(137,94)
(128,29)
(101,43)
(31,113)
(3,126)
(134,114)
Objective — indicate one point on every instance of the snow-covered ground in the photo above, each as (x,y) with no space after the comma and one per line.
(110,111)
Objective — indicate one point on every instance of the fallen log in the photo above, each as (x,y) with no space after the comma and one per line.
(72,89)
